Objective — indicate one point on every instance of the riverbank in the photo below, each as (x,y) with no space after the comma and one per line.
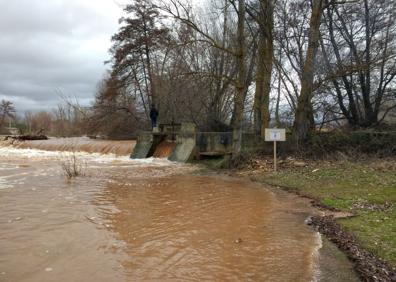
(365,189)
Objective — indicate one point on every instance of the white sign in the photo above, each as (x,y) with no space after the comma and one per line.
(275,134)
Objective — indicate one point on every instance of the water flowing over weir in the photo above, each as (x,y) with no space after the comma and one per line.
(83,144)
(145,220)
(164,149)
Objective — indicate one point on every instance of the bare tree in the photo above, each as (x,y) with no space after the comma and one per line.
(303,121)
(7,111)
(137,46)
(359,52)
(181,12)
(265,20)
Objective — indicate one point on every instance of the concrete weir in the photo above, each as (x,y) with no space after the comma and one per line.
(146,144)
(185,144)
(190,144)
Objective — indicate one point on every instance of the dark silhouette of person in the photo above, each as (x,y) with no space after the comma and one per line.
(153,116)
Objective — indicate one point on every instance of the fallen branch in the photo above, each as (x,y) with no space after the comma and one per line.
(26,137)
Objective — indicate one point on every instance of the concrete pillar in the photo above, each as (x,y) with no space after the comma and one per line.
(185,144)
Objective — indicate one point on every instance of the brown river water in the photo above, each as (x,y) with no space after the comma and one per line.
(147,220)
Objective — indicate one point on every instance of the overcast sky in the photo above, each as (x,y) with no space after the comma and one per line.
(49,47)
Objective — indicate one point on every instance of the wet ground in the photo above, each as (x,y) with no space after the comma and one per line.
(148,220)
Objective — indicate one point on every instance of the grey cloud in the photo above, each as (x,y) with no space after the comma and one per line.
(73,17)
(52,47)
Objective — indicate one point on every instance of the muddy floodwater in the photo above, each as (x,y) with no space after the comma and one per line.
(148,220)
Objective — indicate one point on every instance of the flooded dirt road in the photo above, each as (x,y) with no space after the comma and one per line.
(148,220)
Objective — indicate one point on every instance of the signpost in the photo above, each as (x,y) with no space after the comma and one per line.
(275,135)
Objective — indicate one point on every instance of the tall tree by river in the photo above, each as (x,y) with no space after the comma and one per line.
(265,21)
(303,120)
(211,63)
(137,50)
(7,110)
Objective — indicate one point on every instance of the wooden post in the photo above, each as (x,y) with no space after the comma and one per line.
(275,156)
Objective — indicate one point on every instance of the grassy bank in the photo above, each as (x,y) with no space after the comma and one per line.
(365,188)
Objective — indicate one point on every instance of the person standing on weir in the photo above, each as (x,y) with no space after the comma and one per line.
(153,116)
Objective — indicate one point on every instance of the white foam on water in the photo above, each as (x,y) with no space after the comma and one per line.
(153,161)
(91,157)
(6,166)
(4,184)
(318,244)
(16,174)
(27,153)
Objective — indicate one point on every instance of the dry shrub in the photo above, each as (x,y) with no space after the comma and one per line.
(339,145)
(72,166)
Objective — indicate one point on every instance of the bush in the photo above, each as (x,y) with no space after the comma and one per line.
(72,166)
(381,144)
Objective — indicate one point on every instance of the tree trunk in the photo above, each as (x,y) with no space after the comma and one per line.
(370,116)
(277,117)
(240,89)
(264,68)
(304,115)
(152,92)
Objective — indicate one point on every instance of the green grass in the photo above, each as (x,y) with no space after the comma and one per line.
(376,231)
(364,188)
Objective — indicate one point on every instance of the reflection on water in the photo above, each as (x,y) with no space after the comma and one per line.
(145,221)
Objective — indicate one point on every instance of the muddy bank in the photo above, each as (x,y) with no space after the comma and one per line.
(333,264)
(368,266)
